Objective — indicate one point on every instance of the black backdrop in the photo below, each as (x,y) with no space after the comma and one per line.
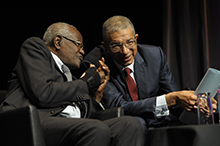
(23,19)
(26,18)
(190,38)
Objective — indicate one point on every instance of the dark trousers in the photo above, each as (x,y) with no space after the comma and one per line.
(123,131)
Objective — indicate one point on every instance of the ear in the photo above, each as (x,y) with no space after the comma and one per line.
(57,42)
(105,46)
(136,36)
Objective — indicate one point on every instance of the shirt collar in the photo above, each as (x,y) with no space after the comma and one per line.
(121,68)
(58,61)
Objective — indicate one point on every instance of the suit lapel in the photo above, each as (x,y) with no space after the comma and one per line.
(140,68)
(117,78)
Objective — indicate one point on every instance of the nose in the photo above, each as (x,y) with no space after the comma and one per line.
(125,50)
(82,52)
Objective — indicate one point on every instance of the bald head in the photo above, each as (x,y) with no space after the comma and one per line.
(115,24)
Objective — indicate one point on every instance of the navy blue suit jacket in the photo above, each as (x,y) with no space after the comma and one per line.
(152,75)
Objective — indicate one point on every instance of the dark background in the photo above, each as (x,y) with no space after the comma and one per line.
(25,18)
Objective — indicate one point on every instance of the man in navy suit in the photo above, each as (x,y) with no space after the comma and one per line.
(158,100)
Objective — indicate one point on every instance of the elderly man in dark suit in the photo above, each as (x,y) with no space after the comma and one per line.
(140,80)
(42,77)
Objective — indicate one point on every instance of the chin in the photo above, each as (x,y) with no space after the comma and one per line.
(128,62)
(75,66)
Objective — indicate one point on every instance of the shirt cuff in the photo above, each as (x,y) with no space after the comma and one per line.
(161,106)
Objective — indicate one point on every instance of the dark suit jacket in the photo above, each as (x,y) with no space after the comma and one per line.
(153,78)
(37,80)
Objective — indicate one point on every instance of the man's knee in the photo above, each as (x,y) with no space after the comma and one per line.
(100,129)
(143,123)
(98,133)
(131,122)
(128,132)
(76,132)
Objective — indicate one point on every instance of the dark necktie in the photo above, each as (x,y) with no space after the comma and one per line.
(131,85)
(67,72)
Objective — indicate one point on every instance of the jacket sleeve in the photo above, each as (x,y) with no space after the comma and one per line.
(114,98)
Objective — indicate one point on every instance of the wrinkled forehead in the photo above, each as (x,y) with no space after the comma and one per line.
(121,35)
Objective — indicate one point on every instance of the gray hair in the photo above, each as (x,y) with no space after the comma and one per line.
(114,24)
(60,28)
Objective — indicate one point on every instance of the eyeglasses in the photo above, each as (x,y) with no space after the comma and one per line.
(116,47)
(77,43)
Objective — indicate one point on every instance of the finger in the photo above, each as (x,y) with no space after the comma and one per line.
(191,102)
(103,59)
(104,67)
(213,101)
(202,101)
(214,107)
(107,71)
(101,62)
(188,109)
(191,91)
(193,96)
(214,111)
(205,110)
(99,69)
(187,106)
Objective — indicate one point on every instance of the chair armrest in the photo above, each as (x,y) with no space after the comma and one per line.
(21,127)
(108,114)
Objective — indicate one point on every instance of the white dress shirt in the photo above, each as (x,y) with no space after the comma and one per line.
(70,111)
(161,104)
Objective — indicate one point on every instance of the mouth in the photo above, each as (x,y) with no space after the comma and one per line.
(81,58)
(128,58)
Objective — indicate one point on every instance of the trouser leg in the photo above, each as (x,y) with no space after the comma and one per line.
(144,127)
(60,131)
(125,131)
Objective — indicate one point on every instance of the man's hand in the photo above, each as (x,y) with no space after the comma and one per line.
(214,104)
(186,99)
(204,108)
(104,73)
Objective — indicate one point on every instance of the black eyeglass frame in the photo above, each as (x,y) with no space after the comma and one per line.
(77,43)
(121,45)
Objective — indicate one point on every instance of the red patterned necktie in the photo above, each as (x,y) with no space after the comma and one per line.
(131,85)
